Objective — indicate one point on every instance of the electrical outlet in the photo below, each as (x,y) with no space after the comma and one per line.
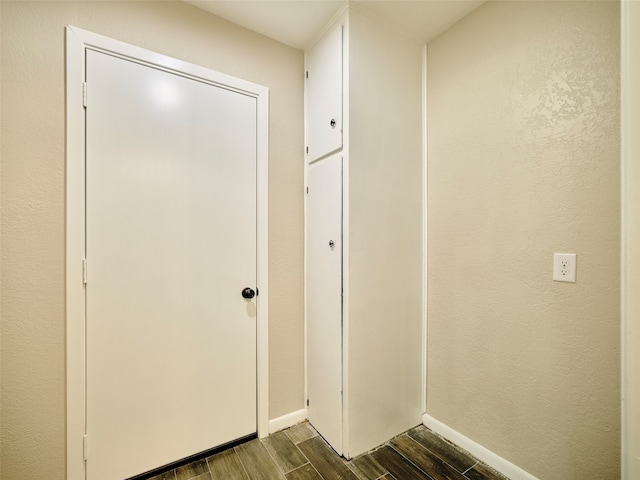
(564,267)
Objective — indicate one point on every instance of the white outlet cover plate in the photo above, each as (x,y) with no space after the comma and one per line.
(564,267)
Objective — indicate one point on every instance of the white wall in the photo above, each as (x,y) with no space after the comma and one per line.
(524,161)
(385,234)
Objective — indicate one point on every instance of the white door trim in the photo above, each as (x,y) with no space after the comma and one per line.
(77,41)
(630,252)
(346,229)
(425,252)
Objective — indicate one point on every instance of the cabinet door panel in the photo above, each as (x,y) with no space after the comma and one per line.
(324,298)
(324,95)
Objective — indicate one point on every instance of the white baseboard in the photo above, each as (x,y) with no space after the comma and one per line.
(286,421)
(481,453)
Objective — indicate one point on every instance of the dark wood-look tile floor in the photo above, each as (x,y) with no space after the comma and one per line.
(299,453)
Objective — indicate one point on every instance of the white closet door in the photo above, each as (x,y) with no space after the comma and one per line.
(324,96)
(171,243)
(324,298)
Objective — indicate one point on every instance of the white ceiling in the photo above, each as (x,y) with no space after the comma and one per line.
(298,22)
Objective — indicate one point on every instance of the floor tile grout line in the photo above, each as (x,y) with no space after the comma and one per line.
(440,458)
(384,475)
(244,468)
(198,475)
(314,467)
(272,458)
(301,453)
(465,472)
(286,432)
(411,461)
(206,460)
(387,472)
(301,423)
(456,447)
(294,469)
(344,462)
(309,462)
(317,471)
(202,474)
(354,472)
(282,468)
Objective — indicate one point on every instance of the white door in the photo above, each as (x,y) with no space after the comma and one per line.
(324,298)
(170,245)
(324,95)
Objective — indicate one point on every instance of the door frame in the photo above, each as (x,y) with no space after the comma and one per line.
(77,42)
(630,247)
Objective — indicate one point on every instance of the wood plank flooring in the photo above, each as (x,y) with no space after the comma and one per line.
(299,453)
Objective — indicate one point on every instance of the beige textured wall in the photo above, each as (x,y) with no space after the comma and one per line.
(385,234)
(524,161)
(33,205)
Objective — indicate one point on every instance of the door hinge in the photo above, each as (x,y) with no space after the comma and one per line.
(84,94)
(307,150)
(307,402)
(307,74)
(84,271)
(84,447)
(307,190)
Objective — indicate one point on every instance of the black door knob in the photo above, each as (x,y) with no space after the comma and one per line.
(248,293)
